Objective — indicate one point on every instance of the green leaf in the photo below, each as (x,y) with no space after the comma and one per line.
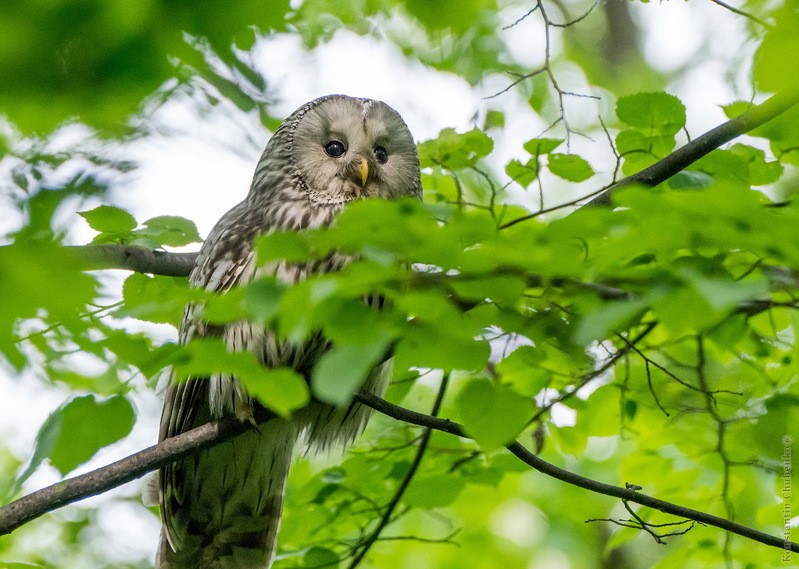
(429,13)
(453,150)
(690,179)
(440,186)
(640,151)
(570,167)
(599,415)
(117,56)
(503,289)
(156,298)
(437,335)
(38,278)
(773,70)
(523,372)
(494,119)
(683,309)
(725,294)
(140,351)
(736,108)
(225,307)
(522,174)
(170,230)
(317,557)
(387,231)
(778,424)
(435,491)
(282,390)
(629,141)
(202,357)
(599,324)
(652,112)
(262,299)
(492,414)
(539,146)
(74,432)
(761,171)
(290,246)
(109,219)
(342,370)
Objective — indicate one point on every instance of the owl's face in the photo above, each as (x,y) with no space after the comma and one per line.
(343,148)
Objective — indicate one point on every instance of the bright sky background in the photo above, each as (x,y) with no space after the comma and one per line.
(205,169)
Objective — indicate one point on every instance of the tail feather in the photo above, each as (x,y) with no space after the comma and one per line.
(225,507)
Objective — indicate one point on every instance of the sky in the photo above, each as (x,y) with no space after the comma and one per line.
(201,166)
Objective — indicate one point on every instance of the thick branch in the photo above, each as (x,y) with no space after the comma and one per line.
(141,260)
(101,480)
(685,156)
(132,258)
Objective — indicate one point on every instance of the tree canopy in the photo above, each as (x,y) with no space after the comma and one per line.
(592,315)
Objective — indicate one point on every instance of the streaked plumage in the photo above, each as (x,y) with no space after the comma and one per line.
(221,508)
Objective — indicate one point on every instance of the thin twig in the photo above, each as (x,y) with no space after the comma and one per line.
(638,523)
(589,377)
(743,13)
(364,547)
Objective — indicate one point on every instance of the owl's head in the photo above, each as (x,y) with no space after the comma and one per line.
(338,148)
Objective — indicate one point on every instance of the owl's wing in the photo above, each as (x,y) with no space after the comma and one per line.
(225,259)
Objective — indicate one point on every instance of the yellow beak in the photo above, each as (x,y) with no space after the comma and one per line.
(363,168)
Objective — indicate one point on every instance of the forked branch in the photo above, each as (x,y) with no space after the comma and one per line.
(74,489)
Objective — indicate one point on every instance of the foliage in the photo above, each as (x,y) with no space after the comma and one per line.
(650,343)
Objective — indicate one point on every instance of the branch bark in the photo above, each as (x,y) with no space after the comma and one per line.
(699,147)
(520,452)
(686,155)
(132,258)
(115,474)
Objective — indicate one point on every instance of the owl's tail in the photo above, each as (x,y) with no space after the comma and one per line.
(227,515)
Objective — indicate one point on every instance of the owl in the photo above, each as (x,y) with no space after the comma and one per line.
(221,508)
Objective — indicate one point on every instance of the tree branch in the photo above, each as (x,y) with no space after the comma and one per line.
(518,450)
(101,480)
(38,503)
(132,258)
(686,155)
(363,548)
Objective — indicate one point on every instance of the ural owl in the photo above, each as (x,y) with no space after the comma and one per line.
(221,508)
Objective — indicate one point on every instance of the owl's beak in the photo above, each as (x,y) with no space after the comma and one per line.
(363,169)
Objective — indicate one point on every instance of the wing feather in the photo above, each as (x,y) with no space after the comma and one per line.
(223,261)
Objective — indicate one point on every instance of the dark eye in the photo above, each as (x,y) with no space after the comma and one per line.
(335,148)
(381,154)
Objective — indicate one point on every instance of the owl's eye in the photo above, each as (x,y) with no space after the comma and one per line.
(335,148)
(381,154)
